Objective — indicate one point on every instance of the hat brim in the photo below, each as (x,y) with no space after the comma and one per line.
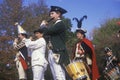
(38,30)
(59,9)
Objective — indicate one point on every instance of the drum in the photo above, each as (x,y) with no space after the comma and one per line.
(113,74)
(77,70)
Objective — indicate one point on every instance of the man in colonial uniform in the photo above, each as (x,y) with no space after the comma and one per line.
(111,62)
(57,50)
(38,61)
(22,55)
(85,50)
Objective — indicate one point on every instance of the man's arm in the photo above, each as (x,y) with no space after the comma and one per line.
(18,46)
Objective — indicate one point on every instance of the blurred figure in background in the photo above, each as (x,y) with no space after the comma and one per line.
(22,54)
(111,65)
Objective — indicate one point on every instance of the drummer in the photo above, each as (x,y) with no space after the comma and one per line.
(111,61)
(85,50)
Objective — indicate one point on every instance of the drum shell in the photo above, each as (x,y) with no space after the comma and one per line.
(112,74)
(77,70)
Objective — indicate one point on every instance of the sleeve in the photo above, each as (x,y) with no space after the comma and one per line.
(29,52)
(103,61)
(34,44)
(18,46)
(55,29)
(115,61)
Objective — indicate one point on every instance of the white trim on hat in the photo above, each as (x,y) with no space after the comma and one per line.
(84,30)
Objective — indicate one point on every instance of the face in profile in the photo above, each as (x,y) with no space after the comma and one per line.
(20,36)
(79,35)
(109,53)
(54,15)
(38,35)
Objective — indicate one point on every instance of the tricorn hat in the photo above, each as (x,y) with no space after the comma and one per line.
(56,8)
(20,29)
(38,30)
(107,49)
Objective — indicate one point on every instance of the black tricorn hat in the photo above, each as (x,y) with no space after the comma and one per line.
(38,30)
(107,49)
(56,8)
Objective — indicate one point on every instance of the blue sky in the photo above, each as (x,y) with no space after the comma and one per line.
(96,10)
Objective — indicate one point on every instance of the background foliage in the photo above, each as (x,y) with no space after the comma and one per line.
(107,35)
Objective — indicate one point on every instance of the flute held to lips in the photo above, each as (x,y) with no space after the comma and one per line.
(44,22)
(50,20)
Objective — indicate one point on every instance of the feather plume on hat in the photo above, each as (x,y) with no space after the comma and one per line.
(79,24)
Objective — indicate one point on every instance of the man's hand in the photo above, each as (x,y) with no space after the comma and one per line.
(119,64)
(81,52)
(44,23)
(31,38)
(16,40)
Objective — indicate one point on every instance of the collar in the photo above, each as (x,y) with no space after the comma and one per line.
(59,20)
